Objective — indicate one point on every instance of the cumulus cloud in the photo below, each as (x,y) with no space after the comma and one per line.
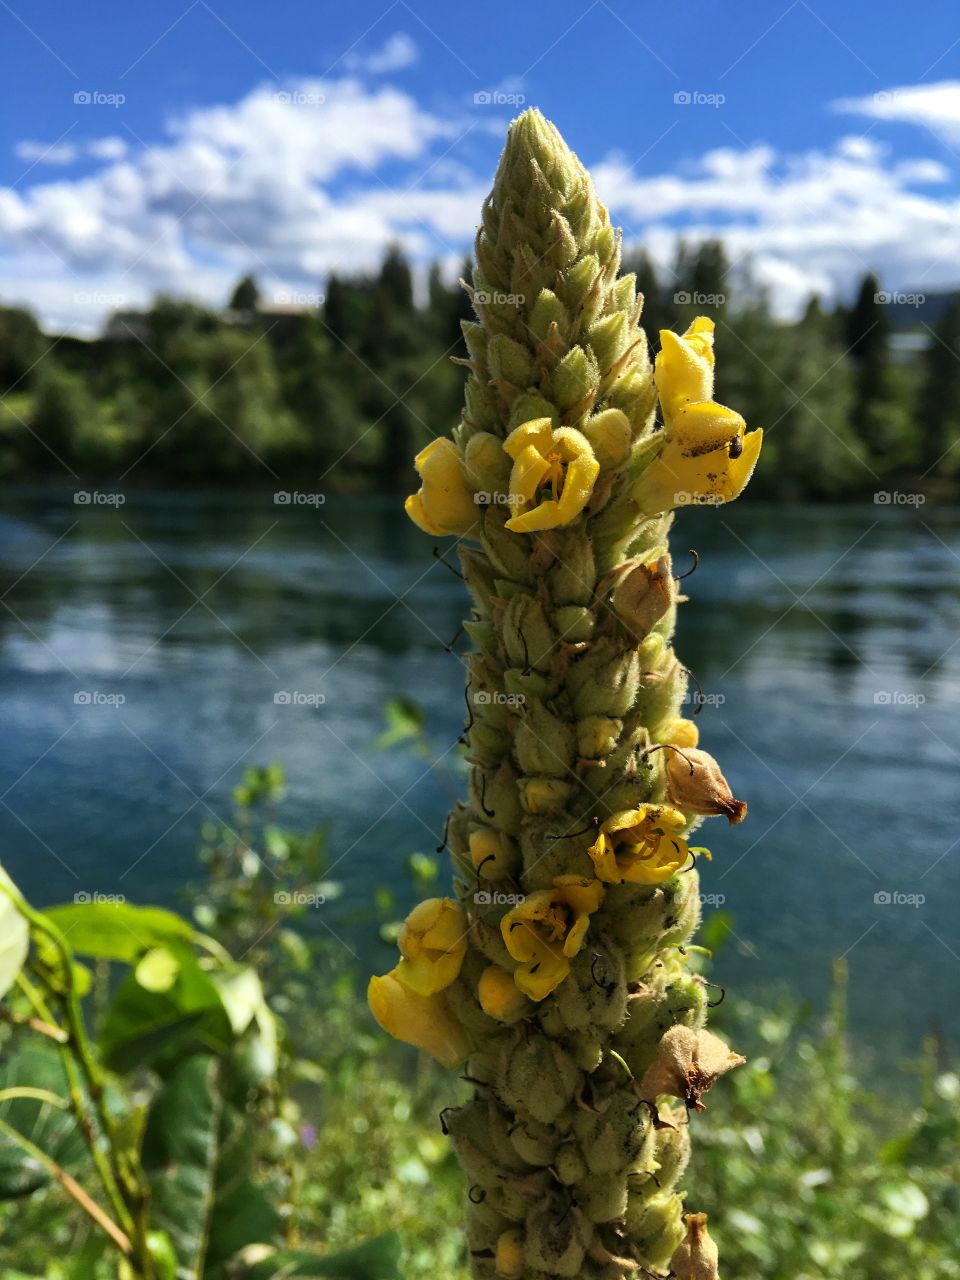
(934,106)
(46,152)
(294,182)
(810,223)
(399,51)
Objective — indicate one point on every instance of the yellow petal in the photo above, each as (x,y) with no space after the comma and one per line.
(699,428)
(433,943)
(545,516)
(683,370)
(577,487)
(499,995)
(414,509)
(538,432)
(528,470)
(428,975)
(448,501)
(519,939)
(424,1021)
(542,976)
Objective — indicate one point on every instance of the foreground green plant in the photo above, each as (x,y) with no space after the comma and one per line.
(560,973)
(162,1115)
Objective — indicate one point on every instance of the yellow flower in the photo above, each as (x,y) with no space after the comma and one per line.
(499,995)
(684,367)
(707,454)
(560,461)
(545,930)
(445,503)
(639,846)
(424,1021)
(433,942)
(491,853)
(508,1260)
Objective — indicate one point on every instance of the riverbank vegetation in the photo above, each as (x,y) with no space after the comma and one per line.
(810,1164)
(336,392)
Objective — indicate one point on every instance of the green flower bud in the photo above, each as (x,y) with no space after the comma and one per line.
(603,1198)
(544,743)
(539,1077)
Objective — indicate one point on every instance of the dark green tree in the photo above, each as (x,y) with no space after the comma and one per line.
(245,296)
(938,408)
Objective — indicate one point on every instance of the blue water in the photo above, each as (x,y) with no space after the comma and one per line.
(827,641)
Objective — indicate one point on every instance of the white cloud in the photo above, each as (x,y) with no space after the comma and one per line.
(399,51)
(323,175)
(111,148)
(810,223)
(60,153)
(934,106)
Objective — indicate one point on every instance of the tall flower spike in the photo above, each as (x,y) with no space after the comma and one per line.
(574,875)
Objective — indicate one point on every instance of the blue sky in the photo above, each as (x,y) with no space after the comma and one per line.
(175,145)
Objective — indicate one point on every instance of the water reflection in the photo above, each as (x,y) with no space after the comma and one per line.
(826,640)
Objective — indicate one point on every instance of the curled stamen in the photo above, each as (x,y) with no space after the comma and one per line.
(483,796)
(701,697)
(479,1198)
(446,828)
(466,698)
(456,636)
(668,746)
(693,568)
(572,835)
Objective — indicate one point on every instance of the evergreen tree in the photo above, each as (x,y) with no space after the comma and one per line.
(246,296)
(21,347)
(938,410)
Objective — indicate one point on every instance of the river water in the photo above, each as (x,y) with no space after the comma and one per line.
(143,646)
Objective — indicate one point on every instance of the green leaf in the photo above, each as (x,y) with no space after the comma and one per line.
(118,930)
(377,1259)
(14,943)
(161,1027)
(197,1158)
(405,720)
(242,995)
(52,1129)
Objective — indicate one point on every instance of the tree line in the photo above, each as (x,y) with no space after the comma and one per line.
(340,395)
